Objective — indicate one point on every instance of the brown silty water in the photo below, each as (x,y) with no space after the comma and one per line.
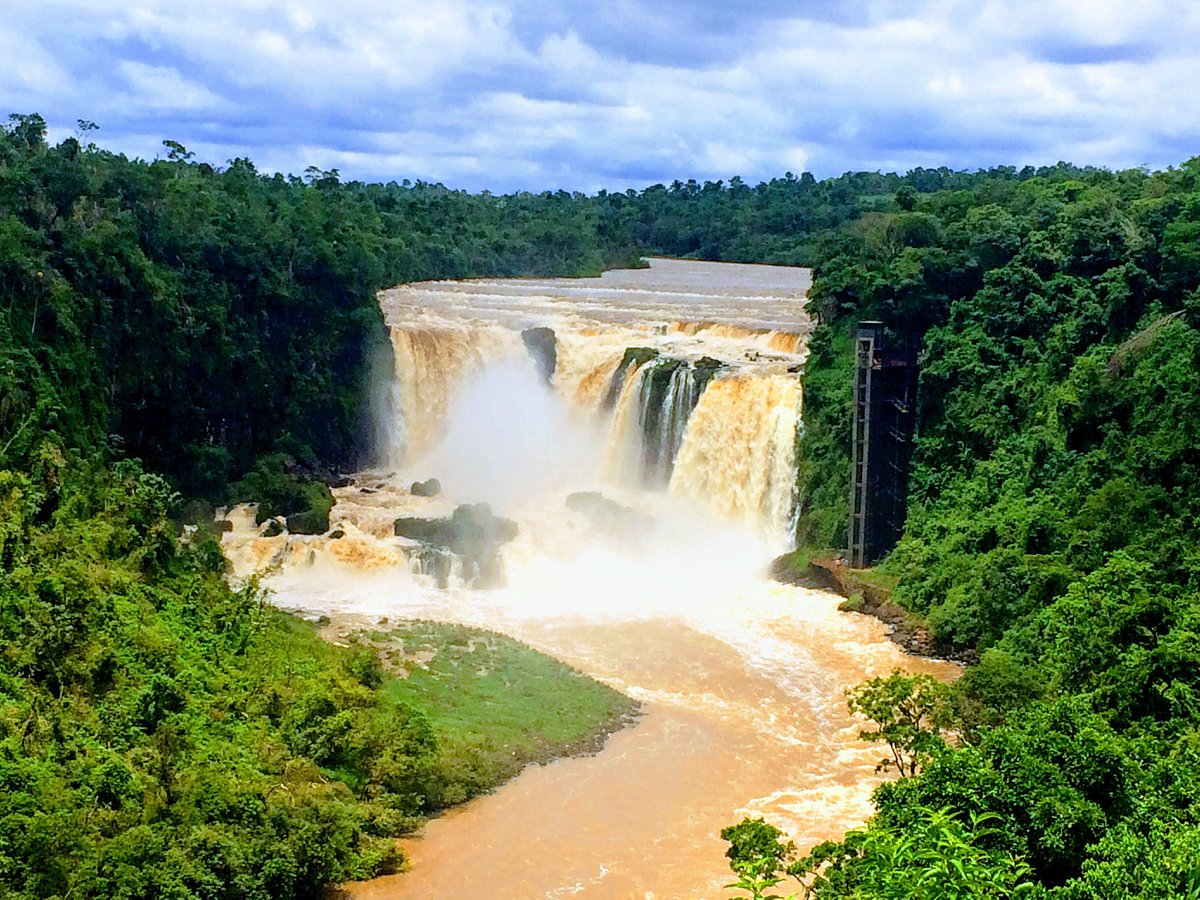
(742,680)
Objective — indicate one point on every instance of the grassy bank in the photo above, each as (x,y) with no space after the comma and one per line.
(494,704)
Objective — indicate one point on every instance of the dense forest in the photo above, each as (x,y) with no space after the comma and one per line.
(1051,528)
(176,334)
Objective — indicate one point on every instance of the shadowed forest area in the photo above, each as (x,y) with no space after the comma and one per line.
(176,335)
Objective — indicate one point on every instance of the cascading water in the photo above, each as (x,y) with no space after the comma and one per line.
(647,487)
(664,412)
(739,450)
(430,365)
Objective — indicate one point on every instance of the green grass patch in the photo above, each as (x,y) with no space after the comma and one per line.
(495,704)
(799,559)
(880,579)
(853,603)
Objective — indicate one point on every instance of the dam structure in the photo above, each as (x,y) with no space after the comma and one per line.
(603,468)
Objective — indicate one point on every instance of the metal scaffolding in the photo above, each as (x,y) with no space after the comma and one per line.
(885,383)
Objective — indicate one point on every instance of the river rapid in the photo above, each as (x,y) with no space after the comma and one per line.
(690,440)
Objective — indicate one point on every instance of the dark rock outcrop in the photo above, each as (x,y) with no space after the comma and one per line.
(608,515)
(471,533)
(430,487)
(543,347)
(635,357)
(434,562)
(311,521)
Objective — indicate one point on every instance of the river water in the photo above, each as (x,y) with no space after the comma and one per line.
(741,679)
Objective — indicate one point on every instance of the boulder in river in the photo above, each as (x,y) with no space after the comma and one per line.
(472,533)
(434,562)
(430,487)
(609,515)
(274,528)
(311,521)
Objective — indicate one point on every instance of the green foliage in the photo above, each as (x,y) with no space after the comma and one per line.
(1051,524)
(1161,863)
(207,318)
(757,856)
(935,856)
(908,711)
(155,738)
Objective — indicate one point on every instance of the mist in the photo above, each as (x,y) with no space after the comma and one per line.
(508,438)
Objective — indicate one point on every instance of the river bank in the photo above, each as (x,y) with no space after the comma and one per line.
(866,591)
(495,704)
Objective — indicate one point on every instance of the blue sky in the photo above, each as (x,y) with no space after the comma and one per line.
(530,94)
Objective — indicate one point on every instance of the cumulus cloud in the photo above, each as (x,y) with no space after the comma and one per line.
(532,94)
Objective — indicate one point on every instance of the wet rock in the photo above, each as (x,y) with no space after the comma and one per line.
(608,515)
(223,526)
(635,357)
(435,563)
(430,487)
(311,521)
(542,346)
(274,528)
(471,533)
(638,355)
(337,534)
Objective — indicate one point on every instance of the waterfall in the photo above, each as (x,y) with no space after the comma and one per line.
(739,449)
(623,453)
(650,416)
(721,435)
(430,366)
(717,428)
(683,390)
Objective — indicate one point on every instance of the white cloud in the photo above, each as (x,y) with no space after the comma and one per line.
(163,88)
(518,93)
